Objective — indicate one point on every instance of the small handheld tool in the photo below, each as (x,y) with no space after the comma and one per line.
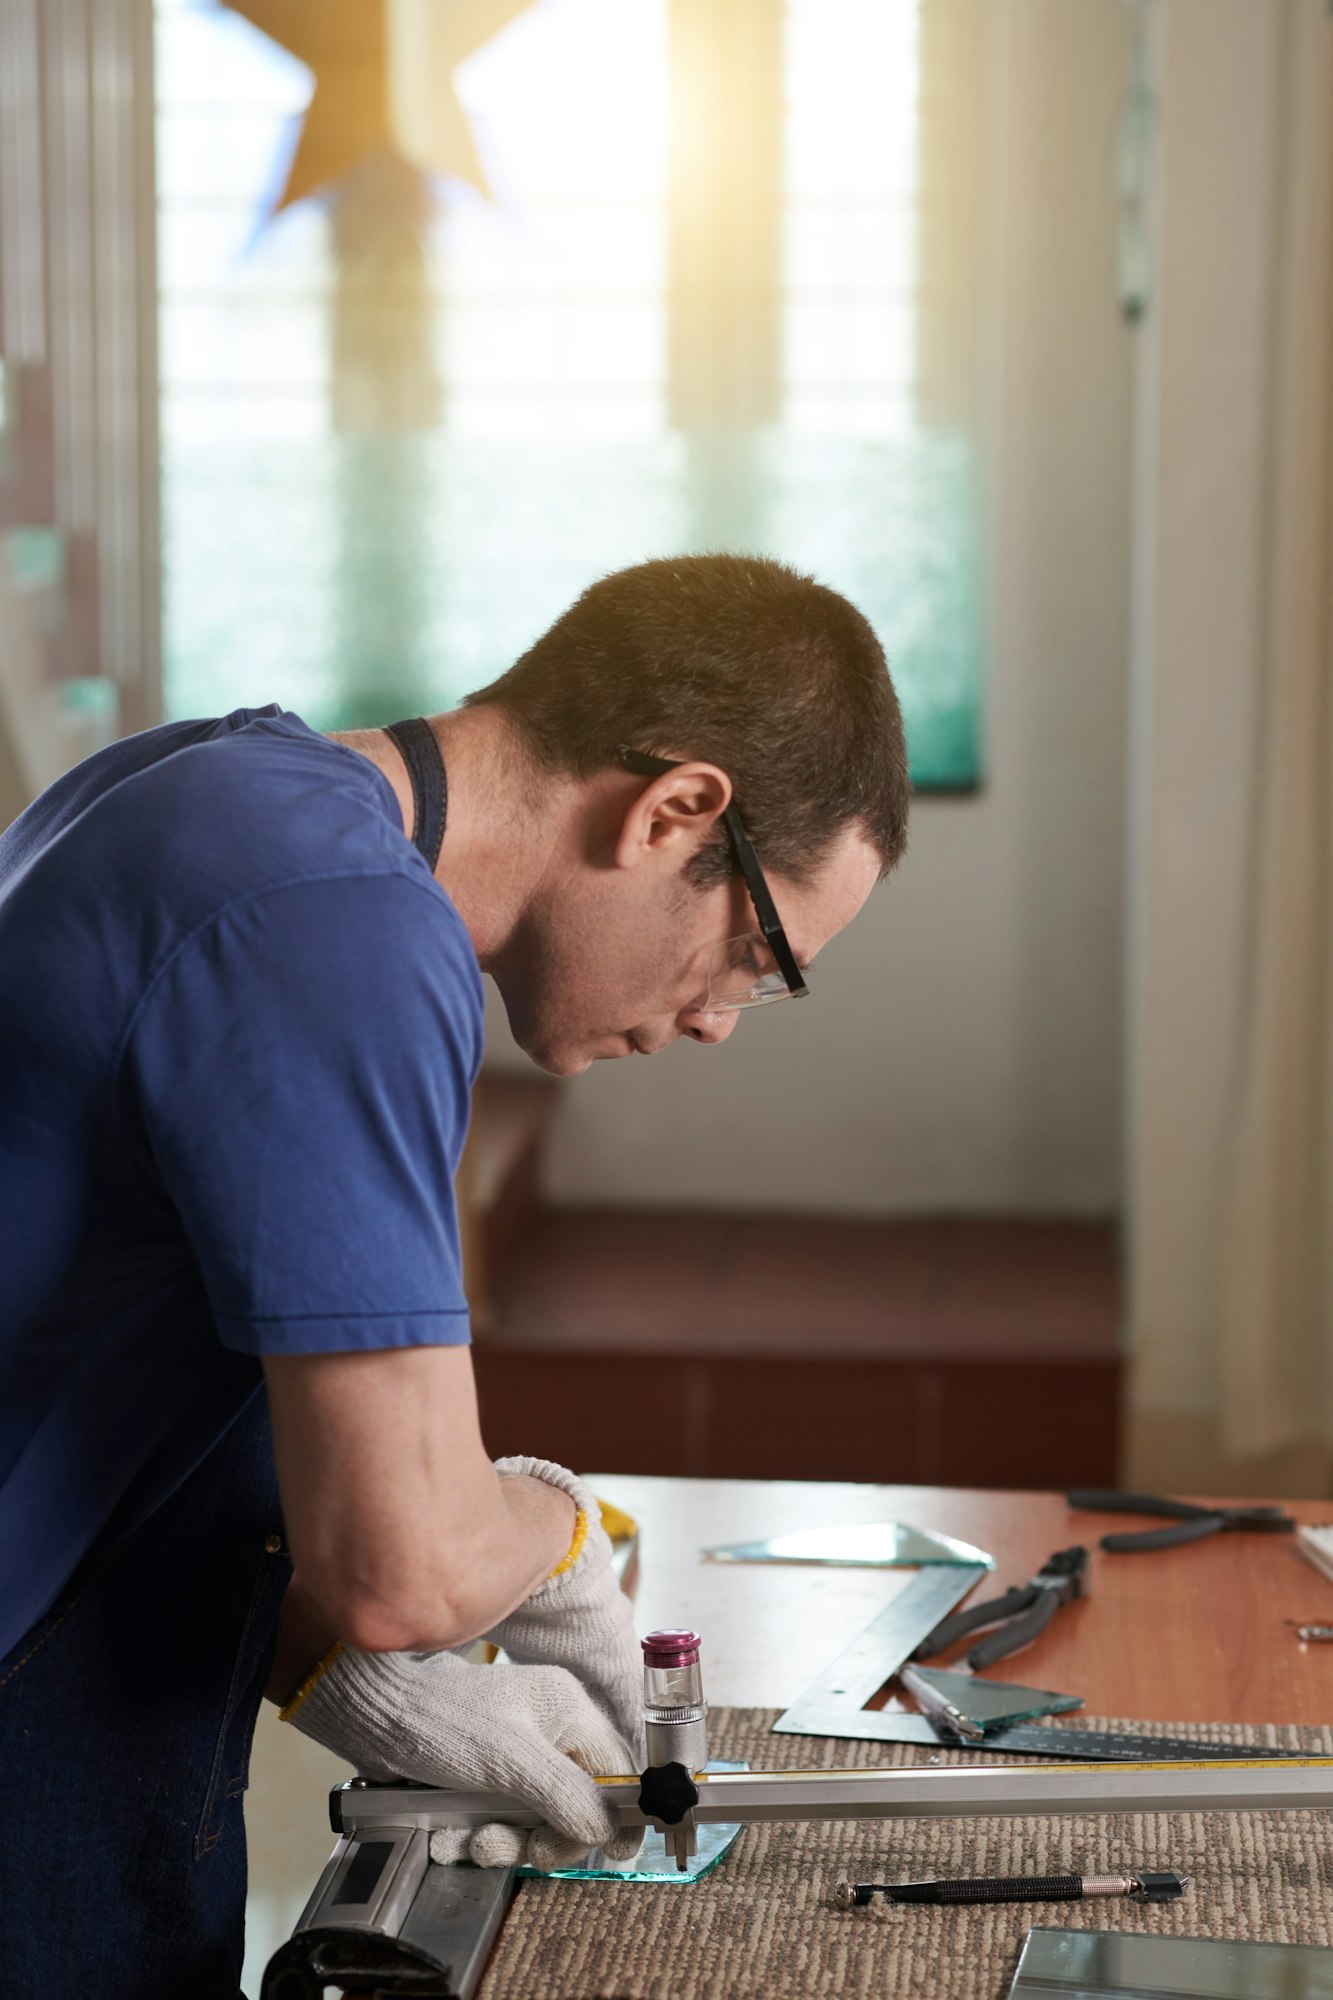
(1019,1615)
(675,1724)
(932,1703)
(1190,1522)
(1160,1886)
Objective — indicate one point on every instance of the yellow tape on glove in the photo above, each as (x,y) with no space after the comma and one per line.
(575,1547)
(289,1708)
(620,1526)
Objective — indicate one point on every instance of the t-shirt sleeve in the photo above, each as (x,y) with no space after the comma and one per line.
(296,1083)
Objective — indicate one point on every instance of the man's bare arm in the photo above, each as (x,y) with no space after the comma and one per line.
(402,1536)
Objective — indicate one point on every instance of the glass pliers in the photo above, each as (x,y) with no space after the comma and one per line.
(1190,1522)
(1019,1615)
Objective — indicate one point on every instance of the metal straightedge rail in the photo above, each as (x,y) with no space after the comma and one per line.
(910,1792)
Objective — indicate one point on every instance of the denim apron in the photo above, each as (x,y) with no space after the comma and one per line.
(127,1712)
(126,1715)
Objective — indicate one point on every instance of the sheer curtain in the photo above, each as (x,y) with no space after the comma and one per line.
(1276,1347)
(1231,1188)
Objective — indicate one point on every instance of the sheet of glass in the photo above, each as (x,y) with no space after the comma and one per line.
(1109,1965)
(654,1862)
(869,1545)
(996,1703)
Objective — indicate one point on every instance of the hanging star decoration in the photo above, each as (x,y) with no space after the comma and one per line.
(384,82)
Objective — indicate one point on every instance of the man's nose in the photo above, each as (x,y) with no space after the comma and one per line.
(703,1025)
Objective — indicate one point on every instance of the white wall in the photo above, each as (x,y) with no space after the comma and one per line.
(961,1049)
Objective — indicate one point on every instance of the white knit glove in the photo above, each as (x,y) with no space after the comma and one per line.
(580,1618)
(529,1731)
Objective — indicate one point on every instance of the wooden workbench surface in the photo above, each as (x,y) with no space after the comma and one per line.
(1191,1634)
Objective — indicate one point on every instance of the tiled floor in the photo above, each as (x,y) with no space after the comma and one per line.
(980,1352)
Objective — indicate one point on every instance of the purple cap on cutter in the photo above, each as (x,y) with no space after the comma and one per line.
(671,1649)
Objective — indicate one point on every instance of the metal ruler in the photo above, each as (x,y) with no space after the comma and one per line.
(875,1655)
(1027,1739)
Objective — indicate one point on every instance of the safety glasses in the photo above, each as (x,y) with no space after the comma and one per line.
(759,967)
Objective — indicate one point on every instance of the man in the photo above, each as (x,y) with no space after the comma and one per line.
(240,1016)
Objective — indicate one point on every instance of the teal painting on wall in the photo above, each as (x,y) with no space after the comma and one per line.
(408,414)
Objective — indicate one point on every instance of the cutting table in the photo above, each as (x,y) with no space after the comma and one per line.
(1197,1633)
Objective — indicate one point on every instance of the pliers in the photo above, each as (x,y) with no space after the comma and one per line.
(1191,1523)
(1020,1614)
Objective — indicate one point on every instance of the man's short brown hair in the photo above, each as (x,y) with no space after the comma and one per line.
(740,661)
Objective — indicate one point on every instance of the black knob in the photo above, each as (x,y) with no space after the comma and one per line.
(666,1793)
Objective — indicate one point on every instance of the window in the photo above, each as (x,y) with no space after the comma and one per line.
(592,281)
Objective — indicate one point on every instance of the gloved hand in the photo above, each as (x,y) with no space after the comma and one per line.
(529,1731)
(580,1618)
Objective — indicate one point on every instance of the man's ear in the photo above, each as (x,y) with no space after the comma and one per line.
(672,817)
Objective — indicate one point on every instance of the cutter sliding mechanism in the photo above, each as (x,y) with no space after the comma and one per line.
(676,1732)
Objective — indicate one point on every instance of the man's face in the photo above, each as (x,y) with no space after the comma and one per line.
(612,957)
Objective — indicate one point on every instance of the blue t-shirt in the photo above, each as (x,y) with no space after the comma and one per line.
(239,1026)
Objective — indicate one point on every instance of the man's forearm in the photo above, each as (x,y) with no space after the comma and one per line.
(492,1563)
(399,1526)
(492,1574)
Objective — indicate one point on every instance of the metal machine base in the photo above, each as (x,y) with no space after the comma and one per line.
(383,1919)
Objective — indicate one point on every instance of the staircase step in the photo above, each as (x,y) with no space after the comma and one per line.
(970,1352)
